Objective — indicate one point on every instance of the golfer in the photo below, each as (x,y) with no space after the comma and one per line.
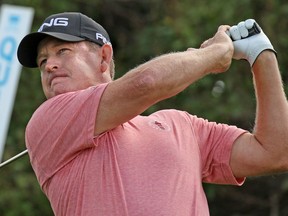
(94,153)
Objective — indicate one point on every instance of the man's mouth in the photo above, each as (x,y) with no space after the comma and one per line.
(56,77)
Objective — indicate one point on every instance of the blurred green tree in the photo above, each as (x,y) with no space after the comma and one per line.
(139,31)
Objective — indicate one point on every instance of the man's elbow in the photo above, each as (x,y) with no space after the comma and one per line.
(146,85)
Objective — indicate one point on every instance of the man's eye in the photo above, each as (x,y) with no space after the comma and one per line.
(63,50)
(42,61)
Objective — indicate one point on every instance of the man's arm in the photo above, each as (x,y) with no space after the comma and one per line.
(161,78)
(266,150)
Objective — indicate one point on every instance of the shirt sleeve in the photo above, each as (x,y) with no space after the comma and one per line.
(60,128)
(215,143)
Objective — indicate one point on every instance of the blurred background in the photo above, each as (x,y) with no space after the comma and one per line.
(141,30)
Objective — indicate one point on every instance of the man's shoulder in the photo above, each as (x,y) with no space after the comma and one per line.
(79,95)
(172,113)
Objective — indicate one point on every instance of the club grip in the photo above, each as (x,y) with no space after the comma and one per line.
(252,27)
(254,30)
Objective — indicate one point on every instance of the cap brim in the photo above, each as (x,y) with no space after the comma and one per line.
(28,47)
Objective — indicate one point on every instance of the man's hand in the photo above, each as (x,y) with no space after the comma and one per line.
(247,45)
(221,45)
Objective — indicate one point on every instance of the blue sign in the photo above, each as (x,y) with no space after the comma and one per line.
(8,48)
(15,23)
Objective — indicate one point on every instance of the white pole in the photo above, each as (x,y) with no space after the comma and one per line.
(14,158)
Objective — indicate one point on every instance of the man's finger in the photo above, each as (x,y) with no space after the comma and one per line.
(234,32)
(242,29)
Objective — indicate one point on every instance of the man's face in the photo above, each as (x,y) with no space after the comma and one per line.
(67,66)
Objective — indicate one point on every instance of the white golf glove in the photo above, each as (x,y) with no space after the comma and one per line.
(249,40)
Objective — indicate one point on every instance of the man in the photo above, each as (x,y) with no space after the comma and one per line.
(94,154)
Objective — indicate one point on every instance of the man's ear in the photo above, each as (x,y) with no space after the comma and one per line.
(107,54)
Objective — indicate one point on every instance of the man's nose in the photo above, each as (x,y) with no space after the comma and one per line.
(51,65)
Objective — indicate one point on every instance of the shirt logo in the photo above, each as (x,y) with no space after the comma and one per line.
(159,125)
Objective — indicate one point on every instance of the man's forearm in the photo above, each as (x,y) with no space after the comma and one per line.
(271,128)
(173,72)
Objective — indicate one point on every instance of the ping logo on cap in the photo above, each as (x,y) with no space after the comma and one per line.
(101,37)
(55,22)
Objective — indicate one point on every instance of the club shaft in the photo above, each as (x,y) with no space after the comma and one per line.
(14,158)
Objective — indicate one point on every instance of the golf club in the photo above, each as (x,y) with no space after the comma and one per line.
(14,158)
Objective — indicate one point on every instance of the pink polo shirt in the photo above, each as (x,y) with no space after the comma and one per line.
(150,165)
